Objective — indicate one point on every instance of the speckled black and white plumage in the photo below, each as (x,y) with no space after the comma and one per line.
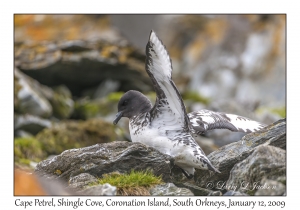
(205,120)
(166,125)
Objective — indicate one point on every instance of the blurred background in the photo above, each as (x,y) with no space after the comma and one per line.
(71,70)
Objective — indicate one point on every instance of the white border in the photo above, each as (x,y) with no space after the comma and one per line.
(8,8)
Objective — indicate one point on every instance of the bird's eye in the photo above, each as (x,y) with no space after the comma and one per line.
(125,103)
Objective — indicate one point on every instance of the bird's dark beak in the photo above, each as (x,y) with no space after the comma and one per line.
(118,117)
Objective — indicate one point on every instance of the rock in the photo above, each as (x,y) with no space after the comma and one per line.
(220,56)
(105,189)
(266,162)
(52,65)
(62,102)
(30,123)
(29,100)
(80,181)
(39,100)
(21,133)
(75,134)
(224,56)
(234,193)
(51,27)
(79,167)
(215,193)
(199,191)
(105,158)
(227,156)
(271,188)
(169,189)
(56,138)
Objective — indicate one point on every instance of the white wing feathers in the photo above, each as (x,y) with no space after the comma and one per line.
(161,65)
(169,104)
(204,120)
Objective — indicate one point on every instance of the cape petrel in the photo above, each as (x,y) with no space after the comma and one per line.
(166,126)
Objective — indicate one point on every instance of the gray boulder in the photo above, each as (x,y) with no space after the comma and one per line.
(105,158)
(227,156)
(28,98)
(36,99)
(30,124)
(249,175)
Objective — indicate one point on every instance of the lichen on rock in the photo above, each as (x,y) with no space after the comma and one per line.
(75,134)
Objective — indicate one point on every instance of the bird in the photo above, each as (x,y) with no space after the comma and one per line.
(166,126)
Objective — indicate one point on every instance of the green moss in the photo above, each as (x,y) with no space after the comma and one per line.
(280,111)
(75,134)
(114,97)
(86,109)
(24,161)
(27,150)
(62,106)
(61,102)
(195,97)
(132,180)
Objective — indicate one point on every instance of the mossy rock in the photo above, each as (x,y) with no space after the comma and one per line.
(62,103)
(86,109)
(75,134)
(17,88)
(27,150)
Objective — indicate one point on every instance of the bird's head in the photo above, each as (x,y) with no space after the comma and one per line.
(132,103)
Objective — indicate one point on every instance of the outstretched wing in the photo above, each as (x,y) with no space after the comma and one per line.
(169,105)
(204,120)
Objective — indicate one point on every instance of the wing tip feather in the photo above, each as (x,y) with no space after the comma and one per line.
(152,35)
